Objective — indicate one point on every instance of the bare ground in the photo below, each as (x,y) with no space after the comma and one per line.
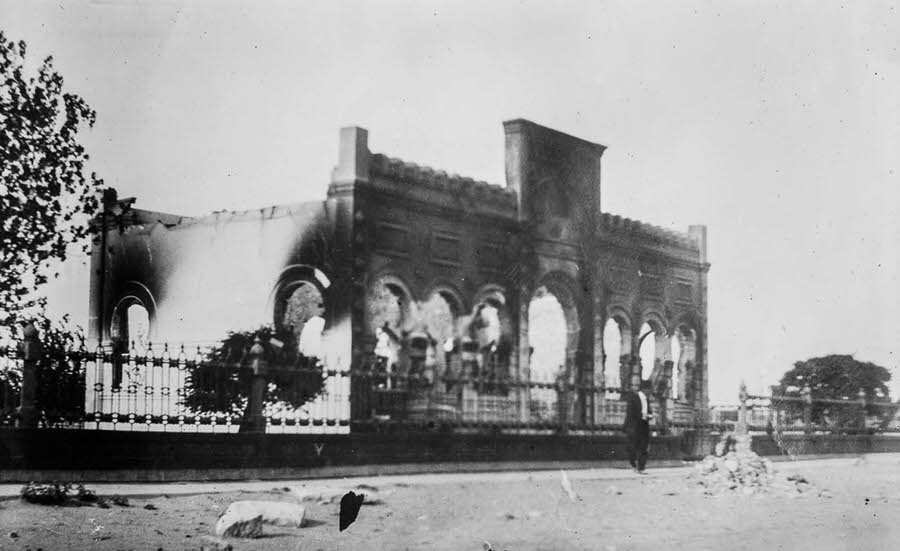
(660,511)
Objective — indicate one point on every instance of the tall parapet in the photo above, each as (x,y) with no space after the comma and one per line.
(353,157)
(698,232)
(550,170)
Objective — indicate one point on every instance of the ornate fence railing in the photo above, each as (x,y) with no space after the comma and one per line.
(183,389)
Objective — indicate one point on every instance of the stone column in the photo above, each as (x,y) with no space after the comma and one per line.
(27,414)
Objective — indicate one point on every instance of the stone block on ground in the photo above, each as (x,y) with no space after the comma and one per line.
(327,496)
(271,512)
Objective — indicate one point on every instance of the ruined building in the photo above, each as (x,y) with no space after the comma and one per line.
(420,267)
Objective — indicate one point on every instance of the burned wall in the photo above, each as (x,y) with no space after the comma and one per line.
(408,254)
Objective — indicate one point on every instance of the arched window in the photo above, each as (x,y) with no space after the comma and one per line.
(612,348)
(303,315)
(130,325)
(547,335)
(387,307)
(647,351)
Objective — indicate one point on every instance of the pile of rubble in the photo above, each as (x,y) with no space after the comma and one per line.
(735,469)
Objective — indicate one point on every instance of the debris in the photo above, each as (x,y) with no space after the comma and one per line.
(422,518)
(84,495)
(350,506)
(534,514)
(53,493)
(736,468)
(567,486)
(614,491)
(212,543)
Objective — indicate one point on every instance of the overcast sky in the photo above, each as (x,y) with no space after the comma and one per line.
(776,124)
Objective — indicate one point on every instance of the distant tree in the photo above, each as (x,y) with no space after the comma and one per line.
(45,199)
(221,383)
(837,377)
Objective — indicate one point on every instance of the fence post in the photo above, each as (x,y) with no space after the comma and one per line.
(806,394)
(862,409)
(27,413)
(256,421)
(562,399)
(742,425)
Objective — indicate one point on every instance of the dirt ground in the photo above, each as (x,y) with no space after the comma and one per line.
(660,511)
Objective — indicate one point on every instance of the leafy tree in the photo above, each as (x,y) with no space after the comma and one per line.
(221,383)
(837,377)
(45,199)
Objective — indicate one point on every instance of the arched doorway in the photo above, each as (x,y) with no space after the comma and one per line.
(547,336)
(388,307)
(440,313)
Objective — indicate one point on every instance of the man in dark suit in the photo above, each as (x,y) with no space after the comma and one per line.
(637,422)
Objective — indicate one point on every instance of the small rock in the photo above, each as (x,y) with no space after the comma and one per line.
(150,507)
(422,518)
(212,543)
(13,535)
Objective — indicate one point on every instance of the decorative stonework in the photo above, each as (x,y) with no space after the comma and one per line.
(414,174)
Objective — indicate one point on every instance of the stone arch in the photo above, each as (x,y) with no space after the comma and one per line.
(396,286)
(654,346)
(487,336)
(685,331)
(299,304)
(617,345)
(564,289)
(133,293)
(451,293)
(441,309)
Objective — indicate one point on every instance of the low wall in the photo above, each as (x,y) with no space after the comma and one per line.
(199,456)
(825,444)
(94,455)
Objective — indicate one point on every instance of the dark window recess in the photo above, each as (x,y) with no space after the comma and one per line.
(490,255)
(445,247)
(392,238)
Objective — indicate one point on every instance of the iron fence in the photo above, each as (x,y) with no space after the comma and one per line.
(184,389)
(810,414)
(181,389)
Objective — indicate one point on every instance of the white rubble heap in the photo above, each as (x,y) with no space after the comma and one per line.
(735,469)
